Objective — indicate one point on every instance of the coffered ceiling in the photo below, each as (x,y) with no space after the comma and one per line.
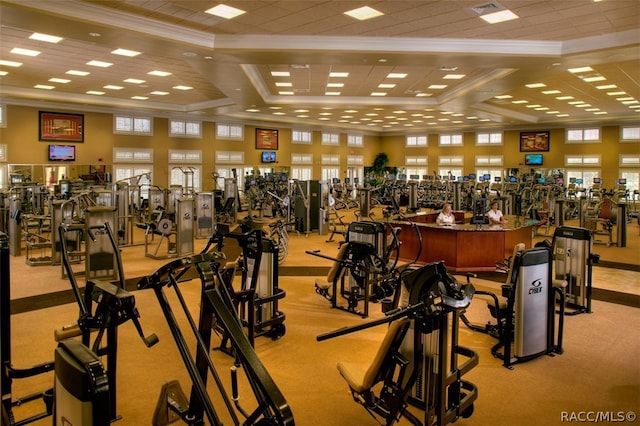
(421,65)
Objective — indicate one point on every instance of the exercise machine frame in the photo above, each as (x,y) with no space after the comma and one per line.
(216,306)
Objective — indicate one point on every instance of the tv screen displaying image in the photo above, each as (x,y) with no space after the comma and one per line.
(533,159)
(268,157)
(62,153)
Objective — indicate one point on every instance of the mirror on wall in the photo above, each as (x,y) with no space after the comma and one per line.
(51,174)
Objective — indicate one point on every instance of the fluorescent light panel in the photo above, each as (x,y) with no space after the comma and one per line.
(100,64)
(10,63)
(125,52)
(363,13)
(224,11)
(24,52)
(45,37)
(500,16)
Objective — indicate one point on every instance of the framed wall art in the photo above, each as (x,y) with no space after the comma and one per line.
(266,139)
(534,141)
(62,127)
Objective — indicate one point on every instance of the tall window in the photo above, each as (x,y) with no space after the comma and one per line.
(301,168)
(582,167)
(629,169)
(226,161)
(489,164)
(416,165)
(450,165)
(134,165)
(3,115)
(3,166)
(330,166)
(186,169)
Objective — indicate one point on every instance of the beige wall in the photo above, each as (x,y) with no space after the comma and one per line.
(21,137)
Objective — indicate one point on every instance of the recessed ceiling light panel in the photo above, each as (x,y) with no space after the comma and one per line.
(363,13)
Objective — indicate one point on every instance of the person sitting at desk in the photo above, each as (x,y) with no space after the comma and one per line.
(495,216)
(446,217)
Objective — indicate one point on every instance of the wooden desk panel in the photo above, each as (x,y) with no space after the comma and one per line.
(463,248)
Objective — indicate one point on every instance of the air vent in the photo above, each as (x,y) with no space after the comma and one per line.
(483,9)
(301,90)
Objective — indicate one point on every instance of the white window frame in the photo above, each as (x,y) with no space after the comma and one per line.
(489,160)
(583,135)
(627,160)
(630,134)
(229,157)
(299,136)
(301,158)
(451,160)
(450,139)
(489,138)
(139,125)
(355,160)
(330,159)
(133,155)
(355,141)
(591,161)
(416,141)
(421,161)
(185,128)
(230,131)
(186,156)
(329,138)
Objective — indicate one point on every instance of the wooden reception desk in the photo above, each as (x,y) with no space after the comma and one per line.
(463,247)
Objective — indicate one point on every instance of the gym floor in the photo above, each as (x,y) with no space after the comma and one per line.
(598,372)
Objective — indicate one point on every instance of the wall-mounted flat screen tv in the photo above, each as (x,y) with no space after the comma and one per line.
(533,159)
(62,153)
(268,157)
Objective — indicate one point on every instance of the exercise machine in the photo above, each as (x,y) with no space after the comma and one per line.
(80,392)
(420,362)
(573,262)
(526,320)
(216,306)
(81,386)
(104,306)
(8,371)
(259,293)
